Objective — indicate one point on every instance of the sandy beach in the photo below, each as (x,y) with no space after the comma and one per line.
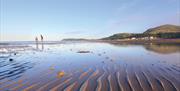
(89,66)
(89,45)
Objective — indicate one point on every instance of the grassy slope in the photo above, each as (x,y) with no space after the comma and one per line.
(163,29)
(166,30)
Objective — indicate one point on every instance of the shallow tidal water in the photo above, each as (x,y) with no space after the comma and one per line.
(101,67)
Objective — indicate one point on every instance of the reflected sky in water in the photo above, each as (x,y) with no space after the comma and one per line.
(30,62)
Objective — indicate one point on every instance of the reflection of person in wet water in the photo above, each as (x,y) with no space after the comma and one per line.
(36,39)
(42,42)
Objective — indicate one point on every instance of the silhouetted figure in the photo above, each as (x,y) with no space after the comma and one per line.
(41,38)
(42,41)
(36,39)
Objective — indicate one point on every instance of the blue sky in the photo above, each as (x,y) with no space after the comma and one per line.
(57,19)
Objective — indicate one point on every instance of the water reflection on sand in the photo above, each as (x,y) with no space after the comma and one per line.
(91,66)
(163,48)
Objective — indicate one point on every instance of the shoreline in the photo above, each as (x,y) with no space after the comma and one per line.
(154,41)
(117,41)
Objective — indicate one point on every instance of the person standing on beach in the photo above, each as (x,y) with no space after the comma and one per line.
(41,38)
(42,42)
(36,39)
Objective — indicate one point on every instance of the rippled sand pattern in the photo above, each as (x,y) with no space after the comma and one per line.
(122,78)
(108,75)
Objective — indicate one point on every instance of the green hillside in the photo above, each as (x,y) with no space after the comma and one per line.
(163,29)
(120,36)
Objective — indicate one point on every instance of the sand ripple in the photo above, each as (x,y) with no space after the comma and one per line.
(106,78)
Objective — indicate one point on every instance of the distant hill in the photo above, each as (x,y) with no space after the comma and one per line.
(163,29)
(120,36)
(74,39)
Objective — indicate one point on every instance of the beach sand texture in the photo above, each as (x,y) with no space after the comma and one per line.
(105,67)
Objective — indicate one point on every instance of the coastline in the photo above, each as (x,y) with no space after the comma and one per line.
(154,41)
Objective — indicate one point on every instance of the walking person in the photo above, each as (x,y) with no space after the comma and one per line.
(42,41)
(36,39)
(41,38)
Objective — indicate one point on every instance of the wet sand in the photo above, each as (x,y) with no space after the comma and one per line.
(110,68)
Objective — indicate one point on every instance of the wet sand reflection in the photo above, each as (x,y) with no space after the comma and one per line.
(96,67)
